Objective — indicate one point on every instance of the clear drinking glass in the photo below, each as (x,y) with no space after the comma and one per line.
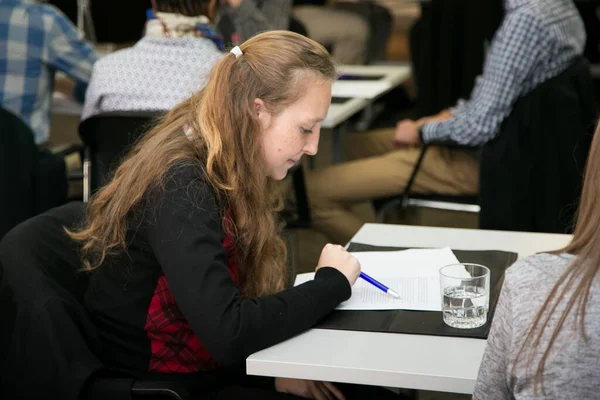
(465,295)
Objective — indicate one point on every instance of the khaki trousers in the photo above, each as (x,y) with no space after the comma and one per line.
(379,170)
(347,33)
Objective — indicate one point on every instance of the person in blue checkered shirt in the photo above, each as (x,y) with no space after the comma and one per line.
(36,40)
(538,39)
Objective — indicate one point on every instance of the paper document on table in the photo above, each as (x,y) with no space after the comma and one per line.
(413,274)
(360,89)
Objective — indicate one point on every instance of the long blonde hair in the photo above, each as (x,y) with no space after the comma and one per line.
(574,285)
(225,141)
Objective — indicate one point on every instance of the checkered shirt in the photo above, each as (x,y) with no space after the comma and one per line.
(537,40)
(35,41)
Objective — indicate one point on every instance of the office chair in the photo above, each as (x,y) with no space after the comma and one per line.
(49,345)
(32,180)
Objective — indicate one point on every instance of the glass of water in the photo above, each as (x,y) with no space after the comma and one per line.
(466,295)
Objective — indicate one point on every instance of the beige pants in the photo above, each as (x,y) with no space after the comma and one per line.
(346,33)
(379,170)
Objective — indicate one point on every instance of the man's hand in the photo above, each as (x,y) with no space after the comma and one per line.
(407,133)
(234,3)
(308,389)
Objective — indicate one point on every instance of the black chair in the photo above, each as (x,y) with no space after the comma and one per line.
(48,343)
(32,180)
(107,138)
(447,45)
(589,15)
(531,173)
(297,27)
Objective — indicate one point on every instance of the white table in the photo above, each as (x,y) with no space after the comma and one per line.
(423,362)
(392,76)
(339,113)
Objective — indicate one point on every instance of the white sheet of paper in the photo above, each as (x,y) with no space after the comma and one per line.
(360,89)
(413,274)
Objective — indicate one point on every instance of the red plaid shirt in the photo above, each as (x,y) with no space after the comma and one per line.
(174,346)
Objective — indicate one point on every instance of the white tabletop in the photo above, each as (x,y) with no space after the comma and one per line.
(398,360)
(522,243)
(393,76)
(339,113)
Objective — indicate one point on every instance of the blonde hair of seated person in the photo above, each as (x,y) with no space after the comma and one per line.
(574,285)
(225,141)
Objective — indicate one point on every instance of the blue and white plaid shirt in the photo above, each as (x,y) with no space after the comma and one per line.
(35,41)
(537,40)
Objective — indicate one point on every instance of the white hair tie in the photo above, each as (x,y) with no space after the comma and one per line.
(237,51)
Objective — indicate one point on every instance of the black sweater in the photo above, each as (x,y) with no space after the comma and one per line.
(171,305)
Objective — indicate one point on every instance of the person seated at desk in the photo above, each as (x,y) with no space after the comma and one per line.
(165,67)
(358,31)
(344,27)
(183,245)
(536,41)
(545,337)
(36,40)
(346,32)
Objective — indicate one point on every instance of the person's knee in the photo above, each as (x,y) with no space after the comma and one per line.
(319,190)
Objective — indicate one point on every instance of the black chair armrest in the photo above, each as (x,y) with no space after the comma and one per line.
(409,184)
(102,388)
(404,198)
(413,175)
(158,389)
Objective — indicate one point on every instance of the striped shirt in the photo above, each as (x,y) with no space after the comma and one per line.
(537,40)
(35,41)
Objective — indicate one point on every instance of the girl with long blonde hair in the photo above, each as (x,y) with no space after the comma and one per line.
(183,244)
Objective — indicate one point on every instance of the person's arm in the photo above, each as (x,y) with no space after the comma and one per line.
(249,19)
(514,53)
(186,237)
(494,371)
(67,51)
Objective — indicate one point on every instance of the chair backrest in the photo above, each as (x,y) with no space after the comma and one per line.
(48,342)
(31,181)
(531,173)
(18,164)
(447,46)
(108,137)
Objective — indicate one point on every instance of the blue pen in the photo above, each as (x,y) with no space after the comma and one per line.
(379,285)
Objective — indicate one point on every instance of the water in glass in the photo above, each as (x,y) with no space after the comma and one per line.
(465,307)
